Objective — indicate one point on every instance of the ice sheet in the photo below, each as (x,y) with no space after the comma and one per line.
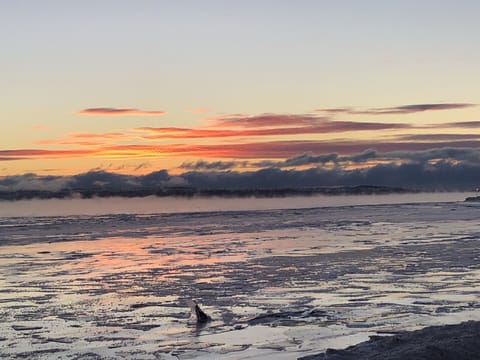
(277,283)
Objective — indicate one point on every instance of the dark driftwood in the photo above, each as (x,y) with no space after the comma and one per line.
(202,318)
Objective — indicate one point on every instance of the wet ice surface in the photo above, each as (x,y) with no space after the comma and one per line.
(277,283)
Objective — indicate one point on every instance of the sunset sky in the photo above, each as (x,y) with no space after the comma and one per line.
(135,87)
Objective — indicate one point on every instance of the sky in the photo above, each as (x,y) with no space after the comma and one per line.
(344,89)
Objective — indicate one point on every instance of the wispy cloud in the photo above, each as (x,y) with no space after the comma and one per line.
(438,137)
(403,109)
(280,149)
(11,158)
(323,127)
(44,154)
(87,139)
(265,120)
(408,109)
(108,111)
(462,124)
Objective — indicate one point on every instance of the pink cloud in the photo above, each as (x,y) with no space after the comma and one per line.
(286,149)
(265,120)
(320,128)
(107,111)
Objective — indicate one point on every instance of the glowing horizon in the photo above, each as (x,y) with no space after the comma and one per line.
(251,86)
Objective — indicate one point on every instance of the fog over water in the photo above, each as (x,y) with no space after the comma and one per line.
(153,205)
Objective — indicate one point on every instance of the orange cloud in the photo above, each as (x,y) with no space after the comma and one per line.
(87,139)
(107,111)
(46,154)
(252,150)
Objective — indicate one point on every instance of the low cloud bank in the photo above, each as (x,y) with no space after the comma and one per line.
(441,176)
(421,174)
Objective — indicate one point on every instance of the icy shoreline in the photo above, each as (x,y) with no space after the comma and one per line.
(449,342)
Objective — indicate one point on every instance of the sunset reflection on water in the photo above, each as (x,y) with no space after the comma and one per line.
(122,284)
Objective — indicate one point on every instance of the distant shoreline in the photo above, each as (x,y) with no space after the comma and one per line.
(192,192)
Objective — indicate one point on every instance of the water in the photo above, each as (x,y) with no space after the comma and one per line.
(281,278)
(154,205)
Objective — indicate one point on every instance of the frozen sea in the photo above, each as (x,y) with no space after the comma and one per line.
(281,278)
